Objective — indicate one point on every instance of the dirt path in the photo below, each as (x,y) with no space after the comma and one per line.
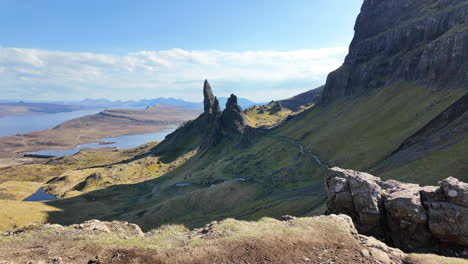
(320,162)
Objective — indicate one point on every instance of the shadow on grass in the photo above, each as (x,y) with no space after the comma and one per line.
(191,206)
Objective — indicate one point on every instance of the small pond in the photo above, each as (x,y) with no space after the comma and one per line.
(40,195)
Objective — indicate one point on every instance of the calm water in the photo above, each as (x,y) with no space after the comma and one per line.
(12,125)
(40,195)
(121,142)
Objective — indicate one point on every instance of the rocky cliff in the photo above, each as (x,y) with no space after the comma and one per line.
(407,216)
(414,40)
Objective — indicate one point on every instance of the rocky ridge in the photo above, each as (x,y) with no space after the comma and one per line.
(404,215)
(413,40)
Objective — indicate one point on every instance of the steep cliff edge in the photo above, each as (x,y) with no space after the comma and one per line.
(397,106)
(424,41)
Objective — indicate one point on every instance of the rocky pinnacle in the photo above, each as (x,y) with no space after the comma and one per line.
(233,118)
(209,99)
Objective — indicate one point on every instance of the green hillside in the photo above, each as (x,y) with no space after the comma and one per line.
(356,132)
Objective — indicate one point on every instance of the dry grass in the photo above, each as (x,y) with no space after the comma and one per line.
(306,240)
(121,173)
(260,116)
(19,213)
(432,259)
(19,189)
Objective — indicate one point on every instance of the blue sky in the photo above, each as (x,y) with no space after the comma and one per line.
(258,49)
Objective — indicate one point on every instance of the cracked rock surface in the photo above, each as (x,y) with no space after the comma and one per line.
(405,215)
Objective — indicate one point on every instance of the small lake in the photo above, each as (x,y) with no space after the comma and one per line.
(40,195)
(12,125)
(122,142)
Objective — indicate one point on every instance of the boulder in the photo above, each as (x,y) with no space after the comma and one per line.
(357,194)
(120,228)
(405,215)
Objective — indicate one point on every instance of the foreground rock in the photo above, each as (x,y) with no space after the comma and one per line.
(407,216)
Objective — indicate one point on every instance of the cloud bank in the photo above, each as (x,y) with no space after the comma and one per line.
(33,74)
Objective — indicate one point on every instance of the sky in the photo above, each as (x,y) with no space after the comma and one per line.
(258,49)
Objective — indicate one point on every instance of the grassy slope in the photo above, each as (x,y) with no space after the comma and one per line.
(280,181)
(450,161)
(260,116)
(17,213)
(356,132)
(352,133)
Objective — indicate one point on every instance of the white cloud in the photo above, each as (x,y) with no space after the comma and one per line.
(260,75)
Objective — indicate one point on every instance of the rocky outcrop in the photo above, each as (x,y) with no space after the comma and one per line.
(413,40)
(276,107)
(208,129)
(233,118)
(120,228)
(405,215)
(94,178)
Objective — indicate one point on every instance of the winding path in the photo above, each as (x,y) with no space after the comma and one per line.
(320,162)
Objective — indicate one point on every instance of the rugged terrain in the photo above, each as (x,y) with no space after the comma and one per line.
(396,108)
(408,216)
(323,239)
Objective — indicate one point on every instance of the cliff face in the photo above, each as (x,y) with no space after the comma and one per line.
(414,40)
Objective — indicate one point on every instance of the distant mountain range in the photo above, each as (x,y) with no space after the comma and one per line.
(140,104)
(245,103)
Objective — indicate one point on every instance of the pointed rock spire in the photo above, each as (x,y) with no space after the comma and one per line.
(233,118)
(209,99)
